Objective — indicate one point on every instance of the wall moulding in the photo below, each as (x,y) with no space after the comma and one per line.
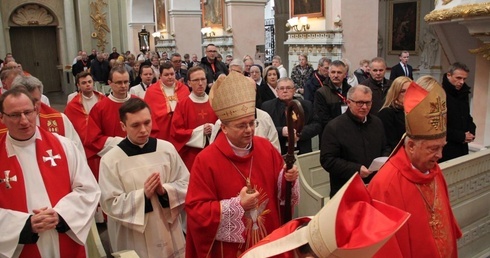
(461,11)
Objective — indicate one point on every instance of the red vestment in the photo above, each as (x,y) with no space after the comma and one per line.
(187,116)
(397,183)
(161,112)
(214,178)
(78,115)
(56,179)
(103,122)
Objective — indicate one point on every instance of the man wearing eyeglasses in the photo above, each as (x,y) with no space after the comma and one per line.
(277,110)
(212,66)
(180,74)
(47,193)
(237,184)
(193,119)
(351,141)
(103,129)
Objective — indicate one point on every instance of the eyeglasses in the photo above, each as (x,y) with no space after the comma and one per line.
(285,88)
(121,83)
(18,115)
(199,80)
(244,126)
(362,103)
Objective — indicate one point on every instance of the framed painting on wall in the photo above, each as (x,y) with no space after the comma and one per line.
(403,27)
(212,13)
(308,8)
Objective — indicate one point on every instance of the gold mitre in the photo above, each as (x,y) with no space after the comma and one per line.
(425,112)
(233,97)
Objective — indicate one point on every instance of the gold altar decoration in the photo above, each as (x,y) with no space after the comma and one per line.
(462,11)
(100,23)
(483,50)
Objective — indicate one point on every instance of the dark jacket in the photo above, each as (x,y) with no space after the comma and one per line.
(361,75)
(397,71)
(277,110)
(394,123)
(347,144)
(212,75)
(315,82)
(100,70)
(79,66)
(328,104)
(265,92)
(379,93)
(459,120)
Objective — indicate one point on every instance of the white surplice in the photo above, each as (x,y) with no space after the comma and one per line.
(154,234)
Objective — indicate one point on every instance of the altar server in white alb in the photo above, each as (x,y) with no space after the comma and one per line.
(144,183)
(48,194)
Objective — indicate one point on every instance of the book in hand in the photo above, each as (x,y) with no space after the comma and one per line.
(377,163)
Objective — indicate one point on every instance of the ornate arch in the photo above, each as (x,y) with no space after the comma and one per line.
(32,15)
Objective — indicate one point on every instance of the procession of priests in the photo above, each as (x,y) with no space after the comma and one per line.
(168,189)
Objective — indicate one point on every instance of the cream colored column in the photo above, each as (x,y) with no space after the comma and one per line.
(480,110)
(3,44)
(246,18)
(185,25)
(70,28)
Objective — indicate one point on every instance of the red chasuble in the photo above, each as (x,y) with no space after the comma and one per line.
(427,233)
(161,113)
(78,115)
(103,122)
(187,116)
(56,179)
(214,177)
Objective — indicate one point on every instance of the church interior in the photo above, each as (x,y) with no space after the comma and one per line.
(45,36)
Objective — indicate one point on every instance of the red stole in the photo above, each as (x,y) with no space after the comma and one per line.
(161,113)
(51,120)
(55,178)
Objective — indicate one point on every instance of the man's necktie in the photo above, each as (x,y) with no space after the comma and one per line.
(406,70)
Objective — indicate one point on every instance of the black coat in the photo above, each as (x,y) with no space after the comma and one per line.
(347,144)
(328,104)
(459,120)
(397,71)
(265,92)
(212,75)
(314,83)
(277,110)
(394,123)
(379,93)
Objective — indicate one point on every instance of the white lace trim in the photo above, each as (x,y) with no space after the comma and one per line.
(294,191)
(231,226)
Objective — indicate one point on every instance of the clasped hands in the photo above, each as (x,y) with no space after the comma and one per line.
(44,219)
(153,185)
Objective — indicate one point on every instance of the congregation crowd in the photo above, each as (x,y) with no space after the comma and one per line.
(183,155)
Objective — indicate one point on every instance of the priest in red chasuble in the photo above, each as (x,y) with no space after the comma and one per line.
(237,184)
(412,180)
(162,97)
(193,119)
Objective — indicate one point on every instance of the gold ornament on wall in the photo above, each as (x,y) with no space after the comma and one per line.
(462,11)
(483,50)
(100,23)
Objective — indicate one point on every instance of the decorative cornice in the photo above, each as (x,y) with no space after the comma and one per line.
(483,50)
(461,11)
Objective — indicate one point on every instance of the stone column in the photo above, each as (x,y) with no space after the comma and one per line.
(246,19)
(70,29)
(481,97)
(185,26)
(281,17)
(3,43)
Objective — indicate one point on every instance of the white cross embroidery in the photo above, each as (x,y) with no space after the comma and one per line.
(8,179)
(51,158)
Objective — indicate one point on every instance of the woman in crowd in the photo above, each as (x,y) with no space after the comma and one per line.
(268,91)
(392,114)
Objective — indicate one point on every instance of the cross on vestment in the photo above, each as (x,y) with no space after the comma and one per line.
(8,179)
(51,158)
(202,114)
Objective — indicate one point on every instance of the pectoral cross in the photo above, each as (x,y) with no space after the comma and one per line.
(7,179)
(51,158)
(250,190)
